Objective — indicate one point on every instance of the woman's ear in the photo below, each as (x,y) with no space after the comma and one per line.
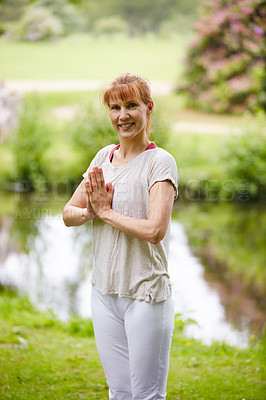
(150,107)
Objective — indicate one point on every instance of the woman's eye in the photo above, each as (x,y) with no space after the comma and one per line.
(114,108)
(132,105)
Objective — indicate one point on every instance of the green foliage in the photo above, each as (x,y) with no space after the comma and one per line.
(30,142)
(244,159)
(2,29)
(68,15)
(160,128)
(225,70)
(23,313)
(7,165)
(81,327)
(104,16)
(181,323)
(35,24)
(11,10)
(147,15)
(61,163)
(110,26)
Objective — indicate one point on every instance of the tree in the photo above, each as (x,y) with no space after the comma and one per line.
(11,10)
(225,65)
(140,15)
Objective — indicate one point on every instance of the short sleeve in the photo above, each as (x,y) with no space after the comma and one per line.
(163,167)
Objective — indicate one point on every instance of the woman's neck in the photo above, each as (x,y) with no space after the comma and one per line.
(130,148)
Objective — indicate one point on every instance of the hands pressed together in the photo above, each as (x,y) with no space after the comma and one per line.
(100,193)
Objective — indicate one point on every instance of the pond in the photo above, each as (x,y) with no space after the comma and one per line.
(52,264)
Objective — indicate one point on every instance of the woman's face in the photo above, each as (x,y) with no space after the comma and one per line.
(129,118)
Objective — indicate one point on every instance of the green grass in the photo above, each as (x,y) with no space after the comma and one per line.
(84,57)
(43,358)
(60,99)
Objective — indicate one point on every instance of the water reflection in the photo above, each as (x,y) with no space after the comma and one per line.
(53,266)
(55,271)
(194,298)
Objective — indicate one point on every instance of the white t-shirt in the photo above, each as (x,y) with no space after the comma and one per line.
(124,264)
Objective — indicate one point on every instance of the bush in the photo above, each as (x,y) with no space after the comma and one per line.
(244,160)
(159,129)
(2,29)
(225,69)
(30,143)
(68,15)
(110,26)
(36,24)
(7,165)
(61,163)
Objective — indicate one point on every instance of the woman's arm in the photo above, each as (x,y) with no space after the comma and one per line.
(78,210)
(152,229)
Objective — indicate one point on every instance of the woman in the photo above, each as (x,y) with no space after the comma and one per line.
(128,191)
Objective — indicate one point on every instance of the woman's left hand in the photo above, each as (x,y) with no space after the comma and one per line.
(100,194)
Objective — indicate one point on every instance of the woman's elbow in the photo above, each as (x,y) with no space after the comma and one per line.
(65,217)
(157,235)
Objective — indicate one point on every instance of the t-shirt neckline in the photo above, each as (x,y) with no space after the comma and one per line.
(150,146)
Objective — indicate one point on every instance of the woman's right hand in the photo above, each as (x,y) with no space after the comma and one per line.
(100,193)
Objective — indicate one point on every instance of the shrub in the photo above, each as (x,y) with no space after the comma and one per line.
(110,26)
(7,165)
(244,160)
(30,142)
(68,15)
(2,29)
(225,69)
(35,24)
(61,163)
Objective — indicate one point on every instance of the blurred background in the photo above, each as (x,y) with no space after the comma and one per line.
(205,63)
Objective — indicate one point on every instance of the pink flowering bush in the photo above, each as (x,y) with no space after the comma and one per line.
(225,65)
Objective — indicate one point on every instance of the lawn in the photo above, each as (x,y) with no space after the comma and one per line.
(43,358)
(84,57)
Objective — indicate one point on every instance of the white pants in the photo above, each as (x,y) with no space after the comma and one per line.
(133,339)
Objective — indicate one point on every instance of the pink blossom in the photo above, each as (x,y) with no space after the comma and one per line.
(220,17)
(239,83)
(247,10)
(237,27)
(251,46)
(234,18)
(258,30)
(206,96)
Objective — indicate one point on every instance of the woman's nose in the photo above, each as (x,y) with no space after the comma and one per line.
(123,113)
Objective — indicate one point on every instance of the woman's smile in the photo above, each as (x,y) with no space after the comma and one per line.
(126,126)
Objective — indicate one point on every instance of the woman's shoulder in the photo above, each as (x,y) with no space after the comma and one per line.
(104,152)
(161,155)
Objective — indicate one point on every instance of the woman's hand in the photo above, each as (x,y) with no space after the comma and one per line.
(100,194)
